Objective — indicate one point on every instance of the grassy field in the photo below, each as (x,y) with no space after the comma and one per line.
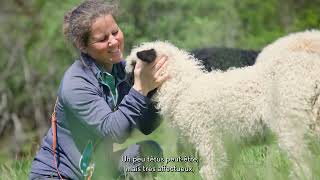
(261,161)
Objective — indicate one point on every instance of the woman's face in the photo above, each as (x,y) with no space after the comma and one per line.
(106,42)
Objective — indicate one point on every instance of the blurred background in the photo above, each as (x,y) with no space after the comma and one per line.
(34,54)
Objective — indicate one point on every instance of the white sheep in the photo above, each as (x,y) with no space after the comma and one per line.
(280,92)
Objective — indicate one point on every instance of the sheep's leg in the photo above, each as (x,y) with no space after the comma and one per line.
(291,140)
(214,158)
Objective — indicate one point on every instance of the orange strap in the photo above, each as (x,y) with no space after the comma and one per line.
(54,137)
(54,141)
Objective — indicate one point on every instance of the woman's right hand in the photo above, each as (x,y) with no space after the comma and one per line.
(148,76)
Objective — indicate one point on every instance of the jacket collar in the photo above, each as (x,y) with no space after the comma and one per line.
(118,69)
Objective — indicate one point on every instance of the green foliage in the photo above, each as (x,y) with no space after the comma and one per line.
(183,23)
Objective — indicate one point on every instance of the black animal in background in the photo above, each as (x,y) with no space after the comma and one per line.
(224,58)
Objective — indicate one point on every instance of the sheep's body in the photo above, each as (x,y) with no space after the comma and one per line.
(281,92)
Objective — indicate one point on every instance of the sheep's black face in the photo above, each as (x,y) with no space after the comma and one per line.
(146,56)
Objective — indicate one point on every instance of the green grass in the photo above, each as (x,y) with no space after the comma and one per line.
(260,161)
(15,170)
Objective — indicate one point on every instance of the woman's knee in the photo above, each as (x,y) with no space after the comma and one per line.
(150,148)
(136,156)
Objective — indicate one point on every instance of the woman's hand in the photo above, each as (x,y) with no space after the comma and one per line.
(148,76)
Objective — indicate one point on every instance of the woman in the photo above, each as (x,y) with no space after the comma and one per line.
(95,106)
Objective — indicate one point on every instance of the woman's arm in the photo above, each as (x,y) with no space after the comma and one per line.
(150,120)
(82,98)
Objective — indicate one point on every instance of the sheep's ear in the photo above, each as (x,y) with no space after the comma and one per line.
(147,55)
